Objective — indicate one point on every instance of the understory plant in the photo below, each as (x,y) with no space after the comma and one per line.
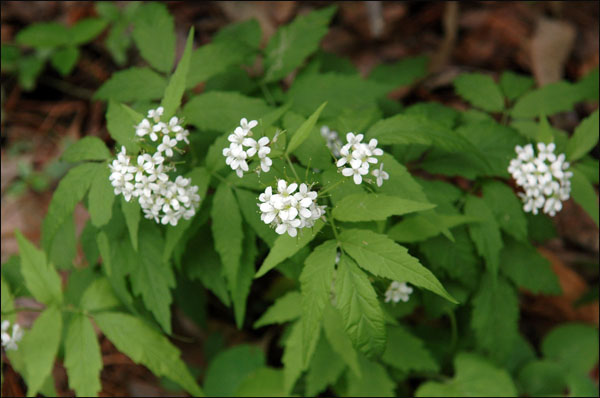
(385,247)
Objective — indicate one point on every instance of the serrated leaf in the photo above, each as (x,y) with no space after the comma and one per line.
(417,228)
(486,234)
(41,278)
(435,111)
(83,359)
(584,138)
(247,201)
(495,316)
(87,148)
(292,358)
(584,194)
(133,84)
(64,247)
(370,207)
(44,35)
(134,338)
(548,100)
(383,257)
(65,59)
(154,35)
(292,43)
(357,301)
(407,352)
(120,122)
(480,91)
(324,369)
(86,30)
(507,209)
(514,85)
(174,91)
(474,377)
(244,277)
(286,308)
(401,73)
(99,296)
(304,130)
(39,347)
(229,369)
(373,382)
(573,345)
(132,215)
(101,197)
(333,326)
(286,246)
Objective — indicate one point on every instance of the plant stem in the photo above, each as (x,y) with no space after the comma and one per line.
(330,187)
(292,167)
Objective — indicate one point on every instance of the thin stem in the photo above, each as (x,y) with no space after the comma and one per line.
(292,167)
(329,188)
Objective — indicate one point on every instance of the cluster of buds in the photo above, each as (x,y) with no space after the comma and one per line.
(359,156)
(398,291)
(545,178)
(332,140)
(242,147)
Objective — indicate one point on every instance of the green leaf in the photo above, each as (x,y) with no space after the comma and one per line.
(29,69)
(495,316)
(174,91)
(244,277)
(417,228)
(383,257)
(292,358)
(474,377)
(373,382)
(39,348)
(544,133)
(222,111)
(154,35)
(247,201)
(230,368)
(581,386)
(486,234)
(324,369)
(101,197)
(286,246)
(514,85)
(64,247)
(369,207)
(435,111)
(584,138)
(152,278)
(339,91)
(285,309)
(41,278)
(548,100)
(588,87)
(86,30)
(215,58)
(99,296)
(87,148)
(523,265)
(507,209)
(480,91)
(263,382)
(247,32)
(304,130)
(134,338)
(407,352)
(542,378)
(357,301)
(83,359)
(65,59)
(584,194)
(401,73)
(315,285)
(340,342)
(132,215)
(44,35)
(7,303)
(293,43)
(133,84)
(120,122)
(573,345)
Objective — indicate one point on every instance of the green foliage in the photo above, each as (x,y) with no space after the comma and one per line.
(87,148)
(83,359)
(368,207)
(230,368)
(548,100)
(574,346)
(583,193)
(406,352)
(304,130)
(401,73)
(285,309)
(154,35)
(119,119)
(177,84)
(584,138)
(480,90)
(133,84)
(485,234)
(514,85)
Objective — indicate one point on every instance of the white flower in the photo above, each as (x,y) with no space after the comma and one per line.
(265,164)
(380,175)
(143,128)
(332,140)
(247,126)
(398,291)
(155,114)
(183,136)
(10,340)
(359,156)
(238,136)
(167,145)
(355,173)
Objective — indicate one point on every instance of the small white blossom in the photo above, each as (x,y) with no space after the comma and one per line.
(359,157)
(398,291)
(243,147)
(332,140)
(167,146)
(10,340)
(380,175)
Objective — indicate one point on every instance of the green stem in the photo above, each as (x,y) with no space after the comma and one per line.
(329,188)
(292,167)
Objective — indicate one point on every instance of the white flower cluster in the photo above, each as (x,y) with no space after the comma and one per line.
(359,156)
(146,179)
(545,178)
(169,134)
(398,291)
(237,157)
(332,140)
(10,340)
(288,211)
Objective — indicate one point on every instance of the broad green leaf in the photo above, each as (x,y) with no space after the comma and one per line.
(143,344)
(474,377)
(407,352)
(293,43)
(244,277)
(154,35)
(86,30)
(486,234)
(495,316)
(44,35)
(574,345)
(229,369)
(39,348)
(83,359)
(480,91)
(369,207)
(87,239)
(29,69)
(286,246)
(581,386)
(41,278)
(542,378)
(120,122)
(544,133)
(248,32)
(373,382)
(401,73)
(590,168)
(357,301)
(514,85)
(417,228)
(548,100)
(286,308)
(222,111)
(65,59)
(132,215)
(584,194)
(247,201)
(263,382)
(588,86)
(304,130)
(584,138)
(64,247)
(435,111)
(215,58)
(292,358)
(315,285)
(153,278)
(133,84)
(87,148)
(507,209)
(523,265)
(174,91)
(101,197)
(324,369)
(99,296)
(383,257)
(333,326)
(71,189)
